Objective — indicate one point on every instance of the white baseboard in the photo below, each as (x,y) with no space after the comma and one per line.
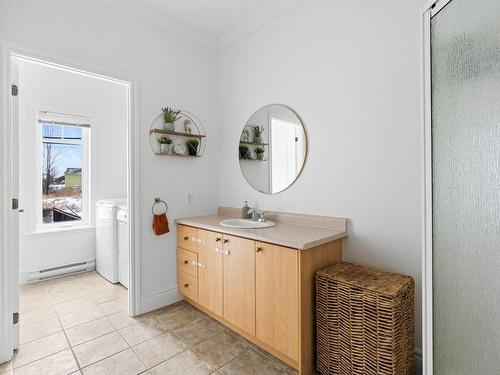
(155,301)
(23,277)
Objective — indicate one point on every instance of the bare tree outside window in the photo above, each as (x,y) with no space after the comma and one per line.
(61,173)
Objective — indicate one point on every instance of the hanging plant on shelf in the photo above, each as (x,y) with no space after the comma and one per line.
(244,151)
(192,145)
(165,143)
(260,153)
(169,117)
(257,133)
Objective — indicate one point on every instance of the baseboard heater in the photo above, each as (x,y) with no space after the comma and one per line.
(60,271)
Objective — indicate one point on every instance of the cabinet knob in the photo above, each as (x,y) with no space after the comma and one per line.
(226,240)
(186,285)
(259,249)
(186,238)
(186,261)
(227,252)
(217,239)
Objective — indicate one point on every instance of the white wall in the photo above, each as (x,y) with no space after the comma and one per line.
(106,104)
(351,69)
(170,71)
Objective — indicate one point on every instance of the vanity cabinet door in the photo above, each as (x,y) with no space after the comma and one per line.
(277,297)
(239,282)
(210,284)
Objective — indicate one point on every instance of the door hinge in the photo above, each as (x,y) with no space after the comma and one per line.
(15,203)
(14,90)
(15,318)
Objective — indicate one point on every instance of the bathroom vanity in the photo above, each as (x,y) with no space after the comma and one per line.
(260,282)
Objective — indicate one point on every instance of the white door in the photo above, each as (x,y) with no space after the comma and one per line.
(286,153)
(9,262)
(15,194)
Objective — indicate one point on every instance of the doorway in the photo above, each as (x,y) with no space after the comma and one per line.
(63,144)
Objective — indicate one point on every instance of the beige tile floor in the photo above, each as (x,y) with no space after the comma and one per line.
(79,325)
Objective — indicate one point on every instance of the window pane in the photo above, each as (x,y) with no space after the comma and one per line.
(52,131)
(72,132)
(61,182)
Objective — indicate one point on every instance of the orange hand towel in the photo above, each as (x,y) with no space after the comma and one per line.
(160,224)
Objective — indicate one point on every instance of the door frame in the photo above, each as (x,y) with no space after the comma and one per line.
(9,49)
(430,9)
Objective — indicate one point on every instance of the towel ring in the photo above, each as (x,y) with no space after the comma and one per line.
(159,201)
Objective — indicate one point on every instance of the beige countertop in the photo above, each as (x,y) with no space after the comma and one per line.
(296,236)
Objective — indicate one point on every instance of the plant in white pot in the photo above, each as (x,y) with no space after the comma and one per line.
(257,133)
(169,117)
(260,153)
(165,143)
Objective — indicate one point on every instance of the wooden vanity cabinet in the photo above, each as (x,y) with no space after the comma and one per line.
(277,297)
(239,282)
(262,291)
(210,271)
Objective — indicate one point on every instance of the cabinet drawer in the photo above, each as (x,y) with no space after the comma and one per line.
(188,285)
(187,262)
(187,238)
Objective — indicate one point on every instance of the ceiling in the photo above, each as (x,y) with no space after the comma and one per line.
(219,20)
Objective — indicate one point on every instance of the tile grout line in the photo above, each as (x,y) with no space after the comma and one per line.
(69,344)
(131,348)
(57,316)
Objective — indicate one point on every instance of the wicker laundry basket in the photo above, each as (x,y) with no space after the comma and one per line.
(365,321)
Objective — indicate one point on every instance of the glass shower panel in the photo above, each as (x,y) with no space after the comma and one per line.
(465,44)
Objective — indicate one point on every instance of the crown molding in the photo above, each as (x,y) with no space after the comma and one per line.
(266,15)
(149,16)
(145,14)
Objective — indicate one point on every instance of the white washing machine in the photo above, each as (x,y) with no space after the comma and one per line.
(107,238)
(123,244)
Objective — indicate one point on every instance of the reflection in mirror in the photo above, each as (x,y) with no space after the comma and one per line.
(272,149)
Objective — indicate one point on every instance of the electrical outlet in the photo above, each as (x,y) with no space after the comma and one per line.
(190,198)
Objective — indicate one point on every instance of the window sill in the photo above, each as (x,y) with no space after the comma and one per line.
(60,231)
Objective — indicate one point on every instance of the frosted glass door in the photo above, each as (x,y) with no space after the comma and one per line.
(465,43)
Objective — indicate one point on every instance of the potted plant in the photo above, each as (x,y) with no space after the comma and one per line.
(165,143)
(257,133)
(192,145)
(260,153)
(244,151)
(169,117)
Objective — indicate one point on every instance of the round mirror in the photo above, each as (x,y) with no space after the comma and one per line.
(272,148)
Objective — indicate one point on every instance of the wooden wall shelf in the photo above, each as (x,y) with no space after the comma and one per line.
(179,156)
(178,134)
(253,143)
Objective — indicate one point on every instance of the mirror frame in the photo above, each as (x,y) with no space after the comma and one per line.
(306,143)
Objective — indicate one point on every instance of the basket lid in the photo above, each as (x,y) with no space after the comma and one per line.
(388,283)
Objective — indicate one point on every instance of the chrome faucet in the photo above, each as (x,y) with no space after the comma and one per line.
(257,215)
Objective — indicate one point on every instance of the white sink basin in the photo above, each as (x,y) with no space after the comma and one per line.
(246,224)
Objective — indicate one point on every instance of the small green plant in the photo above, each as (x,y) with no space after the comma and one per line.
(259,150)
(257,130)
(165,140)
(244,151)
(192,145)
(170,115)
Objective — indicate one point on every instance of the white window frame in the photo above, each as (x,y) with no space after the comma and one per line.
(65,121)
